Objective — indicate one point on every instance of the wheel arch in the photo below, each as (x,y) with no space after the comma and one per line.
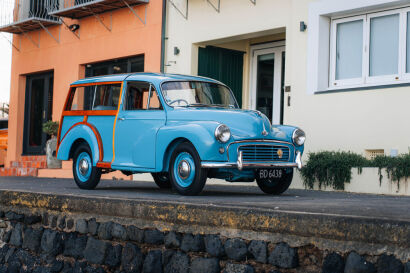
(77,135)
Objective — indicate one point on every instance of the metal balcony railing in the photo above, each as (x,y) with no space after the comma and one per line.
(77,9)
(19,16)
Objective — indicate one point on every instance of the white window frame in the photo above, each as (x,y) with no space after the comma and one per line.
(366,80)
(403,23)
(384,78)
(333,38)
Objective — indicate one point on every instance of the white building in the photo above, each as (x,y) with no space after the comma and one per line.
(345,79)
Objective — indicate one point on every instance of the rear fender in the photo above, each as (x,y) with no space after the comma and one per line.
(81,131)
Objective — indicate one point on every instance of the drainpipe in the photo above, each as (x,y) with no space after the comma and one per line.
(163,38)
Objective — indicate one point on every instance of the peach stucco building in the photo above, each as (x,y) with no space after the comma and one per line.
(58,43)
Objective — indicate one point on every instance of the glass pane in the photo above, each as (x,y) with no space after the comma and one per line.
(137,96)
(384,45)
(119,68)
(408,44)
(264,86)
(36,112)
(349,50)
(101,97)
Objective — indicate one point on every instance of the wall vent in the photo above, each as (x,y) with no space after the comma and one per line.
(372,153)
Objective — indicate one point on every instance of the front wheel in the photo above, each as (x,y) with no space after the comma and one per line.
(85,175)
(276,186)
(186,175)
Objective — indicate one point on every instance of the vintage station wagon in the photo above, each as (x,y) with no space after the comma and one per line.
(182,129)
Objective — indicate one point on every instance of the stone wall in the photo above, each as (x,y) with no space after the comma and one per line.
(51,242)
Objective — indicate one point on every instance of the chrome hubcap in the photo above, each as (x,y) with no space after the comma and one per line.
(83,166)
(184,169)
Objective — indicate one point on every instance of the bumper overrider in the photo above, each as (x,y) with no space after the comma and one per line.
(239,164)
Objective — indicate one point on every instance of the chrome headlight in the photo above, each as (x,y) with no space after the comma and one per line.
(222,133)
(298,137)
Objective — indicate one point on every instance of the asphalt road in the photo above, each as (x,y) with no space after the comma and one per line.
(292,201)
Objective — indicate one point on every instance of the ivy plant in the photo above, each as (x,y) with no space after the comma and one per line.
(334,169)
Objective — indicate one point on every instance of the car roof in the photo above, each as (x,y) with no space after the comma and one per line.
(144,76)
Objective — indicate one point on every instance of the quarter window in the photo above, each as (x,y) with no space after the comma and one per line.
(98,97)
(370,49)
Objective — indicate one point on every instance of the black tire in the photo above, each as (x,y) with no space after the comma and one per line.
(186,152)
(276,186)
(162,180)
(91,180)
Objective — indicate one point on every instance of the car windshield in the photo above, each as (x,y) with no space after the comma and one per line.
(198,94)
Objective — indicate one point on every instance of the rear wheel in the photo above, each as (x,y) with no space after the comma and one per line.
(162,180)
(85,175)
(276,186)
(186,175)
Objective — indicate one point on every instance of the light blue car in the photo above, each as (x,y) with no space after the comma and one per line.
(182,129)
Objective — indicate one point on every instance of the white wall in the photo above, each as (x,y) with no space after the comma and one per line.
(355,120)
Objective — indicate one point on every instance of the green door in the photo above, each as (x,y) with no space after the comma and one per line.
(224,65)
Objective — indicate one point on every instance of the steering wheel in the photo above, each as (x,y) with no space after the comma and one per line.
(178,100)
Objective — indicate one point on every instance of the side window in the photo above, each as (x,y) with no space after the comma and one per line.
(139,95)
(98,97)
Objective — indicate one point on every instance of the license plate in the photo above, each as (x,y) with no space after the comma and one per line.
(269,173)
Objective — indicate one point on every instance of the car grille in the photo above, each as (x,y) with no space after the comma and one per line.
(258,153)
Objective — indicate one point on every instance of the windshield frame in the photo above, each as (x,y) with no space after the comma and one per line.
(201,81)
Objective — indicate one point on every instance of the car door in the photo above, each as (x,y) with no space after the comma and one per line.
(137,124)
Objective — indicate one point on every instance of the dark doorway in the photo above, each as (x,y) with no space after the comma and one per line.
(127,65)
(38,109)
(224,65)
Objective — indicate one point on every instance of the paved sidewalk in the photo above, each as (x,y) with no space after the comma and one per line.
(246,197)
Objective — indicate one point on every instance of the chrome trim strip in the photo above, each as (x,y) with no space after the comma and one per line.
(245,165)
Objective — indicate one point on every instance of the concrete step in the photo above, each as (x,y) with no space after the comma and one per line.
(67,165)
(18,171)
(29,164)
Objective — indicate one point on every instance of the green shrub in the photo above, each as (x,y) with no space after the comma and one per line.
(50,128)
(334,169)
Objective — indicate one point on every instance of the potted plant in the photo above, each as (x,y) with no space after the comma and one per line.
(51,128)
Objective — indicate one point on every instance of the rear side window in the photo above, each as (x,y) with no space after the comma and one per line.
(98,97)
(141,96)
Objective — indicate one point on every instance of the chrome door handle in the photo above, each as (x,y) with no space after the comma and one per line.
(121,119)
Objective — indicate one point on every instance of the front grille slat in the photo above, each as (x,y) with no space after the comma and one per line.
(253,153)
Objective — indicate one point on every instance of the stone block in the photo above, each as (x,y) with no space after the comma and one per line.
(192,242)
(153,262)
(32,239)
(113,258)
(333,263)
(135,234)
(132,258)
(179,263)
(95,251)
(389,264)
(236,249)
(213,245)
(258,251)
(205,265)
(154,237)
(357,264)
(284,256)
(172,240)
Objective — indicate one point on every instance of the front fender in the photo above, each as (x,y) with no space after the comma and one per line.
(200,134)
(81,131)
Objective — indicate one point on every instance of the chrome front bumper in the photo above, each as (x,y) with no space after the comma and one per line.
(239,164)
